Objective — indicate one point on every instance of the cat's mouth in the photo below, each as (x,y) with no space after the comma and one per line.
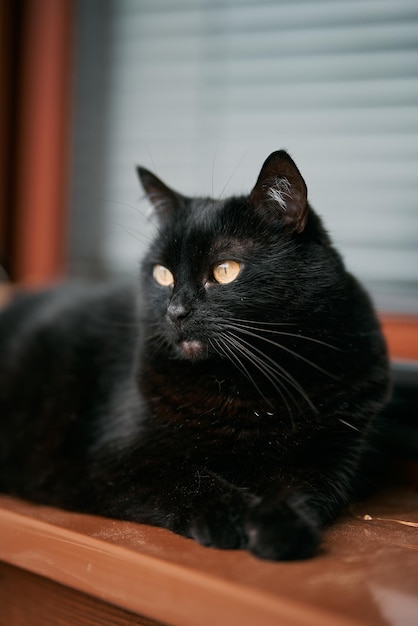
(193,350)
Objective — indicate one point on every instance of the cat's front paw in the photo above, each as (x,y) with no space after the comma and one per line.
(283,530)
(219,522)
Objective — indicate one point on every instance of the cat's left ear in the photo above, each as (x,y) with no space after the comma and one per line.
(280,192)
(164,199)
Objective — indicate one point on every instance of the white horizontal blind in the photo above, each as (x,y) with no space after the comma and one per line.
(202,91)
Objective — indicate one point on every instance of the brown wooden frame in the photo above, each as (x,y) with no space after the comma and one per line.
(35,124)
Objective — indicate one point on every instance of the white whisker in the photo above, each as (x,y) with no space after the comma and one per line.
(348,424)
(231,356)
(267,371)
(284,348)
(231,176)
(260,323)
(286,334)
(281,372)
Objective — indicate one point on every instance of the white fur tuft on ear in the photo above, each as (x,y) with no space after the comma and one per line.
(280,191)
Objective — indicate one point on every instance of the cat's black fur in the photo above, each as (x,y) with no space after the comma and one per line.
(237,414)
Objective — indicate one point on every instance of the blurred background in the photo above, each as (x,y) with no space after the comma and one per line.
(200,92)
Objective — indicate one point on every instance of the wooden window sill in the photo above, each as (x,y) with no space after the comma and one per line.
(125,573)
(401,332)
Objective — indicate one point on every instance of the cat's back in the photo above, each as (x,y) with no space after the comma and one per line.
(63,318)
(63,349)
(64,354)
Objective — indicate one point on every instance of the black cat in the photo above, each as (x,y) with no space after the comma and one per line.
(230,398)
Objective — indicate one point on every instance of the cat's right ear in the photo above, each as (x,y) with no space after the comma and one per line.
(164,200)
(280,192)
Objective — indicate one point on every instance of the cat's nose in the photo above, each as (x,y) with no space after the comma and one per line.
(177,312)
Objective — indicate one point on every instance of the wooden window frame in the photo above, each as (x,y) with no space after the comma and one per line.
(35,123)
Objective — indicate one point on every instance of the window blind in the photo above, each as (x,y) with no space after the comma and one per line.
(202,91)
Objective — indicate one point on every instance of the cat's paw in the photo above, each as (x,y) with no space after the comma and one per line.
(283,530)
(219,522)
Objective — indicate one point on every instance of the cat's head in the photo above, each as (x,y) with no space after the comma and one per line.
(216,265)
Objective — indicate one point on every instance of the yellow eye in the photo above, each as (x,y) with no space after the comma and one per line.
(163,276)
(226,272)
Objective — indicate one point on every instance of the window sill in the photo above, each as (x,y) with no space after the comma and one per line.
(401,332)
(366,572)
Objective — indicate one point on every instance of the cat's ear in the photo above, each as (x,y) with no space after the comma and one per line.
(164,200)
(280,192)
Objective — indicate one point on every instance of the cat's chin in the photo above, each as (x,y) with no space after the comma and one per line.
(193,350)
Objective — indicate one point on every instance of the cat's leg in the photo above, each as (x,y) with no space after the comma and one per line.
(286,523)
(181,497)
(283,521)
(219,513)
